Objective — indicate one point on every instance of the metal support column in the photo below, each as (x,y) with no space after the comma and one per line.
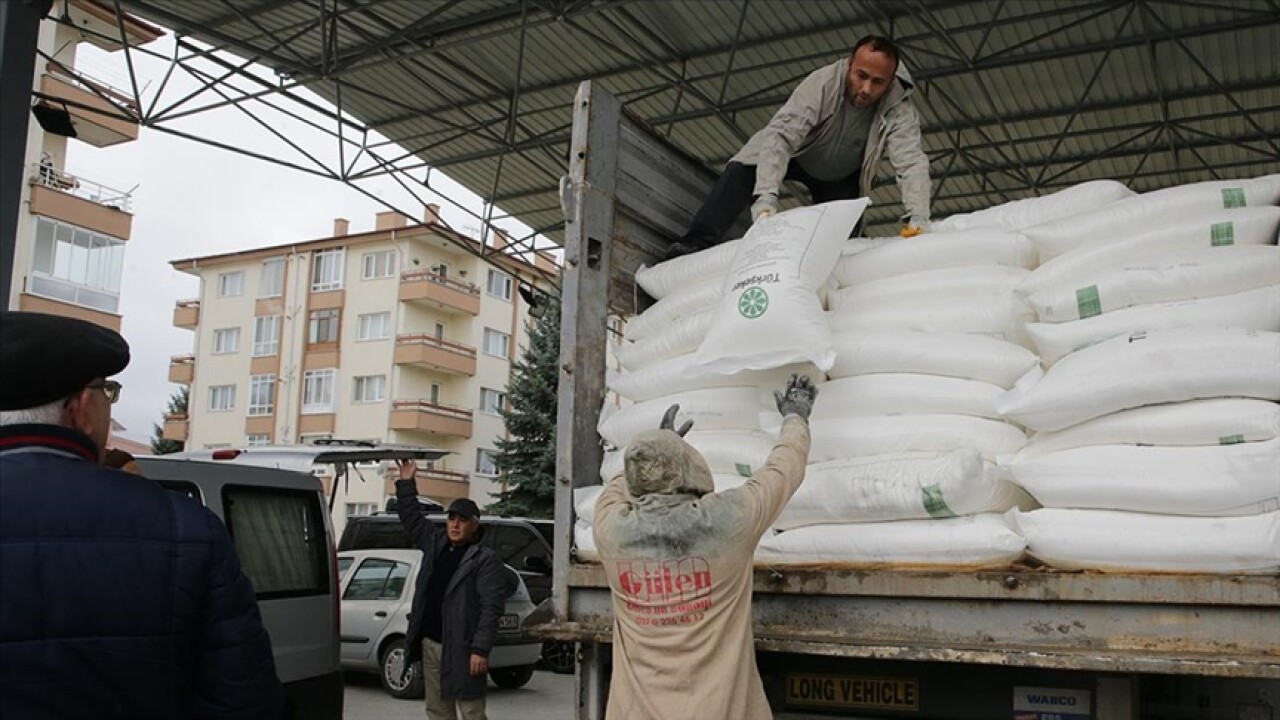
(19,30)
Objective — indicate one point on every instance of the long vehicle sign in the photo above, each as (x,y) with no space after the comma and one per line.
(845,691)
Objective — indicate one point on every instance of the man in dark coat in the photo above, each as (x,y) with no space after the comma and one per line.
(119,599)
(457,601)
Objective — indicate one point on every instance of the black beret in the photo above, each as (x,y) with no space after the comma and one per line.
(44,358)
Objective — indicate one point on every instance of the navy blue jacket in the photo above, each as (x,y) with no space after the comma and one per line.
(119,599)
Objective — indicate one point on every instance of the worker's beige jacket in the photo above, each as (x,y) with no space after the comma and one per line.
(805,117)
(680,570)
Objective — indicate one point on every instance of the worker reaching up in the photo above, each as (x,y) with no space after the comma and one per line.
(677,555)
(830,135)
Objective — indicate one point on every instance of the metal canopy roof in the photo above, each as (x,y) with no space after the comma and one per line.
(1017,97)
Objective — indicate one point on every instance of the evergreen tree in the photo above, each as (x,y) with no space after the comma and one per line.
(527,460)
(177,404)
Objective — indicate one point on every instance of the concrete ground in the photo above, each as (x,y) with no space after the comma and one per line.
(547,697)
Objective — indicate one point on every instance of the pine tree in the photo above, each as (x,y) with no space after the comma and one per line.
(527,460)
(177,404)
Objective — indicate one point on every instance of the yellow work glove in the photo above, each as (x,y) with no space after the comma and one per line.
(910,231)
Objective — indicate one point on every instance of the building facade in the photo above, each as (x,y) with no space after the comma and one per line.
(71,236)
(401,334)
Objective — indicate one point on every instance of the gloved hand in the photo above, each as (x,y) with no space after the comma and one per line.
(910,230)
(798,398)
(764,206)
(669,422)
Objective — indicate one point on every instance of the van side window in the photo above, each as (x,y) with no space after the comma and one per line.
(514,543)
(280,537)
(377,579)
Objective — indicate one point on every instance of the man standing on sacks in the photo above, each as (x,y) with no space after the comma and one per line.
(830,135)
(678,557)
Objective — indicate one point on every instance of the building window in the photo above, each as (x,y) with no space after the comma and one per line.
(317,391)
(370,388)
(266,335)
(310,439)
(374,326)
(486,462)
(360,509)
(499,284)
(258,440)
(326,269)
(435,393)
(495,343)
(226,340)
(222,397)
(77,266)
(271,281)
(231,284)
(379,264)
(492,402)
(262,394)
(324,326)
(216,446)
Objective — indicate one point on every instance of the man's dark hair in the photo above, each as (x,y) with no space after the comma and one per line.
(879,44)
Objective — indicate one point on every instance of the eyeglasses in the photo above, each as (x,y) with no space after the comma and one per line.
(110,388)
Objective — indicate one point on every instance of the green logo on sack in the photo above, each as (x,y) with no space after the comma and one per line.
(1087,302)
(743,469)
(1222,234)
(934,504)
(1231,439)
(753,303)
(1233,198)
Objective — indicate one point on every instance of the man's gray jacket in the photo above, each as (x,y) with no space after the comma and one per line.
(806,116)
(473,602)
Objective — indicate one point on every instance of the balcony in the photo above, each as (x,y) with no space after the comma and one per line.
(176,427)
(182,369)
(101,115)
(435,353)
(439,485)
(186,314)
(80,201)
(440,292)
(37,303)
(431,418)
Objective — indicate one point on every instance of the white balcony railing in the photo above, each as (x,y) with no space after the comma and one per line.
(81,187)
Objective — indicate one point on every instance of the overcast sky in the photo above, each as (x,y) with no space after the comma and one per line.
(193,199)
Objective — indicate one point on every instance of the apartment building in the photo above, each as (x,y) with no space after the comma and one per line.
(401,334)
(69,254)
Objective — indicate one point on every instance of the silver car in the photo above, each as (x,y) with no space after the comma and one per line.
(377,594)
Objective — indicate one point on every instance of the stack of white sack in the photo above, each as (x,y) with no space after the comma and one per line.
(1156,451)
(729,326)
(1021,214)
(906,432)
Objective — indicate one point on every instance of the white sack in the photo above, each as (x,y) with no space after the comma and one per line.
(584,543)
(1220,421)
(904,394)
(1119,541)
(1019,214)
(770,314)
(678,337)
(683,373)
(1206,273)
(698,268)
(1252,309)
(737,408)
(935,251)
(951,354)
(974,541)
(584,502)
(888,434)
(1219,480)
(947,283)
(727,452)
(907,486)
(1147,368)
(1220,229)
(1001,315)
(681,303)
(1142,212)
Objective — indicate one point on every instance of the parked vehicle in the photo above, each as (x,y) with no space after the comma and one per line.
(1020,641)
(278,518)
(377,595)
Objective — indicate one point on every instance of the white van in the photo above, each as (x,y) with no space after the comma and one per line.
(278,518)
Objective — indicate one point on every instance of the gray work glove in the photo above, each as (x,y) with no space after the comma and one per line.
(764,206)
(798,398)
(669,422)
